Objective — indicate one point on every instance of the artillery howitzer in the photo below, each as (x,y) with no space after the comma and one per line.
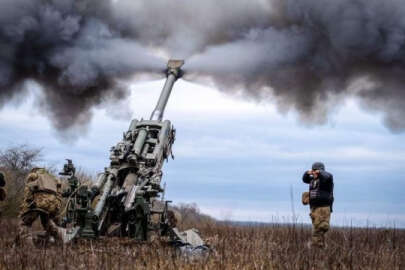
(129,194)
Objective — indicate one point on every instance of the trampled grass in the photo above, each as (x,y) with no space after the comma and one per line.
(234,247)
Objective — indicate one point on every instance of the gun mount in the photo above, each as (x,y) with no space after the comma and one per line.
(130,187)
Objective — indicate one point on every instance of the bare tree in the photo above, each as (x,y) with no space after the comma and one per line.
(190,214)
(16,162)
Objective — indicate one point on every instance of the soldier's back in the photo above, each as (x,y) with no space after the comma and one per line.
(41,192)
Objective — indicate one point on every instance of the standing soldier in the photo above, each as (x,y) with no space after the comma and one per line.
(2,190)
(42,199)
(320,200)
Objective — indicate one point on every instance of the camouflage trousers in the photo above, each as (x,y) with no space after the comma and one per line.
(44,206)
(320,217)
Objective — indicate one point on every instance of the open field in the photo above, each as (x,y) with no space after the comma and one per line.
(235,247)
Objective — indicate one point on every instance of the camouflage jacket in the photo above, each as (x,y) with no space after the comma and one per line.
(38,195)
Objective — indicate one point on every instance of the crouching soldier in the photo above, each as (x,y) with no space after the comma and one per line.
(2,190)
(42,199)
(320,199)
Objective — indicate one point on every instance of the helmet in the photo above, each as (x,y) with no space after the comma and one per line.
(318,166)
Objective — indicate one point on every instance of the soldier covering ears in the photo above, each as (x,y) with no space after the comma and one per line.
(320,199)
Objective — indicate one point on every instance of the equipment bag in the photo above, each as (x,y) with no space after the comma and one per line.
(42,181)
(305,198)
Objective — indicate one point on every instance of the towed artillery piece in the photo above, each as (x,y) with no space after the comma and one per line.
(128,199)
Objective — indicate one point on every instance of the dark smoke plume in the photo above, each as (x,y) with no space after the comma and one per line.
(304,54)
(313,52)
(72,50)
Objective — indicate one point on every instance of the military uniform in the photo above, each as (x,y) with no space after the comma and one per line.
(2,179)
(2,190)
(42,199)
(320,199)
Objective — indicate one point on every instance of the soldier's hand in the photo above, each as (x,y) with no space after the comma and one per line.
(309,172)
(32,205)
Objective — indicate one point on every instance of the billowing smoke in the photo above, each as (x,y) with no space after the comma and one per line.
(306,55)
(313,54)
(72,50)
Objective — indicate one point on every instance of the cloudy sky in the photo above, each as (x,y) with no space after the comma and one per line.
(237,159)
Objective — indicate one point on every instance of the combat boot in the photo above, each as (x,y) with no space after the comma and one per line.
(61,234)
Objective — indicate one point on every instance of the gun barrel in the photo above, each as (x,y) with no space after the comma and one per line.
(103,199)
(173,73)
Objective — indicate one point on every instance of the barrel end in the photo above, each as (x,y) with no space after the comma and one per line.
(175,64)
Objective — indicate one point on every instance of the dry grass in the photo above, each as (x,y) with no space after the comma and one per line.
(235,247)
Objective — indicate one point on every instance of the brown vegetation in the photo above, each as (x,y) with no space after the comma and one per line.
(16,162)
(234,247)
